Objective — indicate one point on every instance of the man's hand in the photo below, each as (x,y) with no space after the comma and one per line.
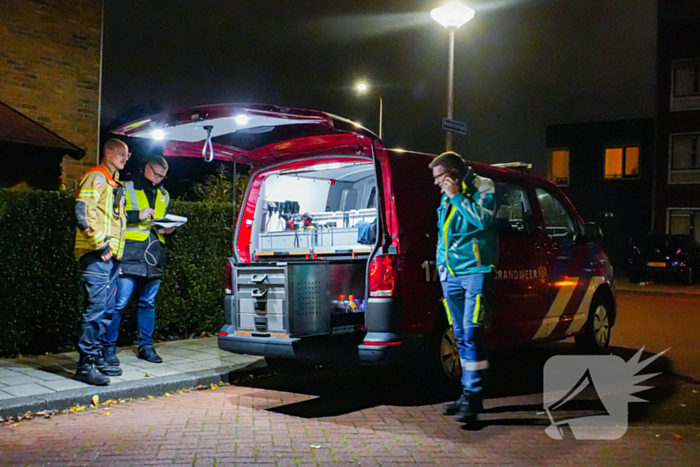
(449,187)
(107,256)
(145,214)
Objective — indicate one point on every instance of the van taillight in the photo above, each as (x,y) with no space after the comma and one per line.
(381,277)
(229,278)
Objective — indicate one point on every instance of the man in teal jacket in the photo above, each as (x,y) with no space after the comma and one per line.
(466,253)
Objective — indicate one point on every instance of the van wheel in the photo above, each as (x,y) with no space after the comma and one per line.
(442,357)
(596,335)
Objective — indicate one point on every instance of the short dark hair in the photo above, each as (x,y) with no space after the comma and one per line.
(452,163)
(159,161)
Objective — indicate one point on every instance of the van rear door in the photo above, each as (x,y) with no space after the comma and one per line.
(257,135)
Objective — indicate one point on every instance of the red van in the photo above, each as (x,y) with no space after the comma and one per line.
(334,254)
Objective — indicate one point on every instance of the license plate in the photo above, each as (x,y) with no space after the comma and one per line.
(657,265)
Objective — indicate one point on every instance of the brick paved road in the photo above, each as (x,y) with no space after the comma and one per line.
(346,416)
(359,416)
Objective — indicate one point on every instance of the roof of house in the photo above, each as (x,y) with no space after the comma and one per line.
(19,129)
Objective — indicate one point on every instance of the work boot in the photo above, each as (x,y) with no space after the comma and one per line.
(149,354)
(469,409)
(452,408)
(110,355)
(88,373)
(106,368)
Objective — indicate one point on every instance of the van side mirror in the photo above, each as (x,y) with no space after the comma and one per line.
(592,232)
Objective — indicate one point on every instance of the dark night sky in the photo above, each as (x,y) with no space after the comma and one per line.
(520,64)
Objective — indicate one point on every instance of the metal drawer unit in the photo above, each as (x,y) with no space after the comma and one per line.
(261,299)
(295,299)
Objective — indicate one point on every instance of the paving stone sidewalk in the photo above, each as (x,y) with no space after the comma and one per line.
(46,381)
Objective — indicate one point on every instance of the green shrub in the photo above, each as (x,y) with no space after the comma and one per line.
(40,293)
(39,277)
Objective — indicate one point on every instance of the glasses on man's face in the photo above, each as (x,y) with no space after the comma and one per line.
(435,177)
(156,175)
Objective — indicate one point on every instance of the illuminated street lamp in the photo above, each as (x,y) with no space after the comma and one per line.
(451,16)
(363,88)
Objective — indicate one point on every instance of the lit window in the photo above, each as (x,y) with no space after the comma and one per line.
(622,162)
(559,167)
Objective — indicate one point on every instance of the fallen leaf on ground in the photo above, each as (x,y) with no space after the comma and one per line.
(221,383)
(149,397)
(682,405)
(107,413)
(148,375)
(677,436)
(80,408)
(167,394)
(315,446)
(95,400)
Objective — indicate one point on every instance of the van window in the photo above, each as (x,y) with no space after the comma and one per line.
(320,208)
(557,221)
(514,214)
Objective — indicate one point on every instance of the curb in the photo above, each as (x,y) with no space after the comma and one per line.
(658,293)
(129,389)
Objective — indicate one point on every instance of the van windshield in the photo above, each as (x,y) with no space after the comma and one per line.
(323,209)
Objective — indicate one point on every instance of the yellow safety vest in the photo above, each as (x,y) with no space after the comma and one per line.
(136,200)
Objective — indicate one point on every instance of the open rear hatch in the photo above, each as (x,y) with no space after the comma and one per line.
(310,217)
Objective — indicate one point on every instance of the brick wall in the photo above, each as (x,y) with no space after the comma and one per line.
(50,69)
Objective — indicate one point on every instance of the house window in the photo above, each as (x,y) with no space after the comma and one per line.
(685,152)
(559,167)
(685,85)
(622,162)
(684,222)
(685,79)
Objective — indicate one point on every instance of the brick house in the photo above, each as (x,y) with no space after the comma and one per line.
(50,62)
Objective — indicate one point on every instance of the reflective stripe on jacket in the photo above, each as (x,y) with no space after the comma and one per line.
(464,223)
(101,218)
(136,200)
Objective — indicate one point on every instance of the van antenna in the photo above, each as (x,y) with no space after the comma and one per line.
(208,146)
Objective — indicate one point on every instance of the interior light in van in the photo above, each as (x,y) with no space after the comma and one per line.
(158,134)
(241,119)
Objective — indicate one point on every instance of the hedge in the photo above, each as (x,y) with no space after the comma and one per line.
(40,293)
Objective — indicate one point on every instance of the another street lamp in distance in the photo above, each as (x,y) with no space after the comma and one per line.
(362,87)
(451,16)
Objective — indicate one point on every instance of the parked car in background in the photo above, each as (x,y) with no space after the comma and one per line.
(675,257)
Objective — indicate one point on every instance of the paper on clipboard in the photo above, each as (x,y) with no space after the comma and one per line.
(168,222)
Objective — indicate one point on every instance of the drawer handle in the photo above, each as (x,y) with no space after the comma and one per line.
(257,293)
(258,278)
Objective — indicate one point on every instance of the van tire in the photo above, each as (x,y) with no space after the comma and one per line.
(595,338)
(442,361)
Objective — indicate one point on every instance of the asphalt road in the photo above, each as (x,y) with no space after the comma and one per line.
(360,416)
(658,323)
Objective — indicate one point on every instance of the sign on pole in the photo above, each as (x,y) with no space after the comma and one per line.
(454,126)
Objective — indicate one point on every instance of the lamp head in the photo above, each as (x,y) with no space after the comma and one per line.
(453,14)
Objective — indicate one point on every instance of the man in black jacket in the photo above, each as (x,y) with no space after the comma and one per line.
(144,257)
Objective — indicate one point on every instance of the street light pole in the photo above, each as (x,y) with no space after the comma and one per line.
(363,88)
(451,16)
(450,86)
(381,115)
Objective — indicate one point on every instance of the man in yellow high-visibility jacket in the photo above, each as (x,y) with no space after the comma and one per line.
(99,245)
(144,257)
